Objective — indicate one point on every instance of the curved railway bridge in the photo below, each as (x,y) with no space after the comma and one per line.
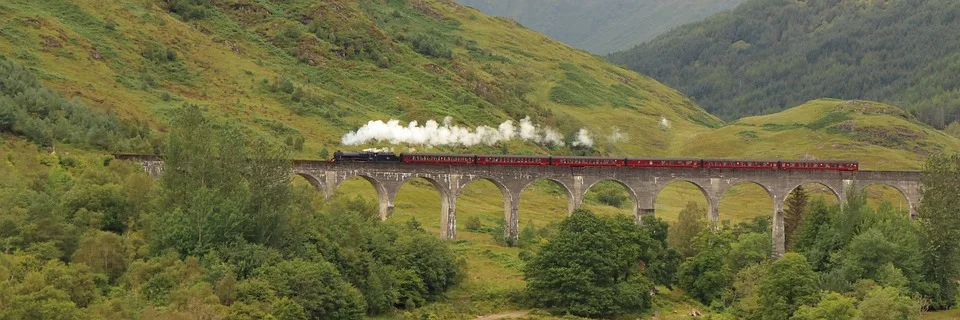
(643,184)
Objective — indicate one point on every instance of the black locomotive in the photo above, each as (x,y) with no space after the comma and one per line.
(366,156)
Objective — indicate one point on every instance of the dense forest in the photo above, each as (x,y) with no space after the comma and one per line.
(768,55)
(603,26)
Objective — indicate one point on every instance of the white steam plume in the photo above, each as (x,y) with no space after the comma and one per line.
(617,136)
(664,123)
(433,133)
(583,139)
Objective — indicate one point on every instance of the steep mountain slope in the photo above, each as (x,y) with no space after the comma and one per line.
(766,56)
(603,26)
(307,72)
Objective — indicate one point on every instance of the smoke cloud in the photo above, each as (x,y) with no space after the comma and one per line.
(617,136)
(433,133)
(583,139)
(664,123)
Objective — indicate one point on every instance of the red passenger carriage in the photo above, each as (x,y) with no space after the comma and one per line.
(426,158)
(819,165)
(587,162)
(663,163)
(513,160)
(740,164)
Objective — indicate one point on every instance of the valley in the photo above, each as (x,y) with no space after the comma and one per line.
(254,80)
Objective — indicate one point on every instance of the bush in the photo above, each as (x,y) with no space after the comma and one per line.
(430,45)
(612,197)
(189,9)
(317,287)
(590,268)
(473,223)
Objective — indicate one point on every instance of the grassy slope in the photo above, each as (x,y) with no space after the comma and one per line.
(91,50)
(882,137)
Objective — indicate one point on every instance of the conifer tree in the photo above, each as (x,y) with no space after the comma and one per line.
(793,214)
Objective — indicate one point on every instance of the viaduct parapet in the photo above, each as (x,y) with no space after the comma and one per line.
(643,184)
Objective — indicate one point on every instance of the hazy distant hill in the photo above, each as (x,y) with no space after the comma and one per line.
(768,55)
(603,26)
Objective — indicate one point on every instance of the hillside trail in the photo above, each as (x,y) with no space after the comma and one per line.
(509,315)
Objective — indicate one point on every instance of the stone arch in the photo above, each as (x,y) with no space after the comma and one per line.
(510,205)
(724,190)
(711,204)
(315,182)
(779,232)
(899,189)
(448,205)
(634,198)
(794,186)
(503,188)
(384,195)
(572,201)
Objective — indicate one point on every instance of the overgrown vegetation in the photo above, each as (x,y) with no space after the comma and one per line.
(604,280)
(223,234)
(850,261)
(31,110)
(766,56)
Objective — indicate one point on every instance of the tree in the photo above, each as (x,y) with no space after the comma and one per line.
(704,276)
(940,226)
(788,284)
(749,249)
(866,255)
(815,237)
(692,221)
(887,303)
(318,288)
(102,252)
(832,306)
(7,116)
(662,268)
(219,190)
(591,267)
(324,154)
(793,214)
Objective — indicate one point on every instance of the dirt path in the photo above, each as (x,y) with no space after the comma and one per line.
(509,315)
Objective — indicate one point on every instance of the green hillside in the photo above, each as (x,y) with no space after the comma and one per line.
(603,26)
(311,71)
(882,137)
(766,56)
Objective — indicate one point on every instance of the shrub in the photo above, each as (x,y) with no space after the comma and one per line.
(430,45)
(472,224)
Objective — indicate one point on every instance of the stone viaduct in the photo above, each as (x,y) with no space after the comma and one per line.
(643,184)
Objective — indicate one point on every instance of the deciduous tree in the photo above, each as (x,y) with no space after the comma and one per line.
(591,267)
(940,226)
(788,284)
(691,221)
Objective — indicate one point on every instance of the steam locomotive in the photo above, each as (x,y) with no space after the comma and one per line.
(512,160)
